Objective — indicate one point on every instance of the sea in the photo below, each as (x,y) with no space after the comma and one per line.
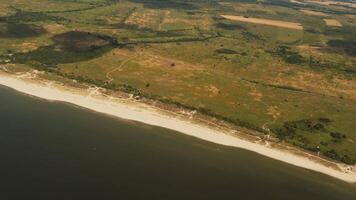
(54,150)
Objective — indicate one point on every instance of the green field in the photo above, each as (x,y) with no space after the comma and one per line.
(298,85)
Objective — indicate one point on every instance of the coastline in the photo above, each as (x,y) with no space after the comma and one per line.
(137,111)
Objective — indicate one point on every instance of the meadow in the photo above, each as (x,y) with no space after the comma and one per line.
(297,84)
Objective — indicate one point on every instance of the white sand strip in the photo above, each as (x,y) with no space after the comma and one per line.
(149,115)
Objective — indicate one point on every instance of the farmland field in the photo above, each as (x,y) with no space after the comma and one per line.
(291,73)
(332,22)
(277,23)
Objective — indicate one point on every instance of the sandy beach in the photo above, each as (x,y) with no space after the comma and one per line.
(140,112)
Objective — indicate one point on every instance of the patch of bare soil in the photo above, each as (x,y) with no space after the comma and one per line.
(257,95)
(55,28)
(336,3)
(142,19)
(314,13)
(28,46)
(269,22)
(297,2)
(149,59)
(273,111)
(213,90)
(332,22)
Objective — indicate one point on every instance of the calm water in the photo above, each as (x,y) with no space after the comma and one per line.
(56,151)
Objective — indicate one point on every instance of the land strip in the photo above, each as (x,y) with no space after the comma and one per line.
(269,22)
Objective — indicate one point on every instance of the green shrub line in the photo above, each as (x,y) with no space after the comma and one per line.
(291,131)
(171,40)
(29,16)
(291,56)
(283,87)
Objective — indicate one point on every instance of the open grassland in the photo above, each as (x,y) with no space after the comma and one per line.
(291,76)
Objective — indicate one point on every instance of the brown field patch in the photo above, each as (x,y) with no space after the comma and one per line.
(55,28)
(190,22)
(310,50)
(315,50)
(332,22)
(257,96)
(3,13)
(308,47)
(142,18)
(27,46)
(269,22)
(336,3)
(213,90)
(314,13)
(273,111)
(152,59)
(297,2)
(121,53)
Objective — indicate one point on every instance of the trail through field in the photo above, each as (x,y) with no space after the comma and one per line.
(163,19)
(108,75)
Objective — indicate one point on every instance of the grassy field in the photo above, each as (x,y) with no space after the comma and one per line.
(296,84)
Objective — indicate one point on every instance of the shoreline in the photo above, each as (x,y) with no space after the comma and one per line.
(148,114)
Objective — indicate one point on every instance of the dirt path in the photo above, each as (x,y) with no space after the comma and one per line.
(163,19)
(110,79)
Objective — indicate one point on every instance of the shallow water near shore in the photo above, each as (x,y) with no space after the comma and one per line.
(57,151)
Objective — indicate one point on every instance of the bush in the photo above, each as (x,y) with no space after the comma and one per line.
(225,51)
(288,55)
(346,159)
(332,154)
(337,135)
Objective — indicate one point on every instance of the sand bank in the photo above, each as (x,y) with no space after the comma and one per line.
(131,110)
